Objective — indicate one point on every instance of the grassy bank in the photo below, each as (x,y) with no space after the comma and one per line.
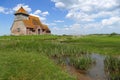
(29,66)
(22,58)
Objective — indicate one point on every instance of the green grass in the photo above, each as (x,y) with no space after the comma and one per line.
(83,62)
(103,44)
(29,57)
(112,67)
(24,58)
(29,66)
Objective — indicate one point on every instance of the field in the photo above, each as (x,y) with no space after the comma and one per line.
(41,57)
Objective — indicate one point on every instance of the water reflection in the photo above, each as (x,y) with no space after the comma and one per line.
(103,67)
(97,70)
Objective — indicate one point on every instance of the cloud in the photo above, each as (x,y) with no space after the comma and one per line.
(45,13)
(58,21)
(111,21)
(2,9)
(88,4)
(26,7)
(40,14)
(91,15)
(60,5)
(5,10)
(73,29)
(37,12)
(42,18)
(51,24)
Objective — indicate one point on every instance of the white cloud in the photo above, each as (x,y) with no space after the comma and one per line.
(58,21)
(26,7)
(41,15)
(2,9)
(111,21)
(42,18)
(5,10)
(37,12)
(55,29)
(73,29)
(91,4)
(91,15)
(45,13)
(60,5)
(12,10)
(51,24)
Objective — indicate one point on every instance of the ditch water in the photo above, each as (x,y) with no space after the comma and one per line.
(95,72)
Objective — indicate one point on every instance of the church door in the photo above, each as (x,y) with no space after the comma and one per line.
(38,31)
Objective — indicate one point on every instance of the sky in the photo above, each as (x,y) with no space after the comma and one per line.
(70,17)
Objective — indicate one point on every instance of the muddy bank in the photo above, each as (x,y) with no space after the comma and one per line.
(78,73)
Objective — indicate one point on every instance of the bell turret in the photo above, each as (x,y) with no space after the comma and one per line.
(21,14)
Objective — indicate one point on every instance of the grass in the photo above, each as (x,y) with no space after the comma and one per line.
(65,45)
(29,66)
(112,67)
(103,44)
(83,62)
(25,59)
(29,57)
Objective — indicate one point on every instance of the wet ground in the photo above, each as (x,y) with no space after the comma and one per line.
(79,74)
(95,72)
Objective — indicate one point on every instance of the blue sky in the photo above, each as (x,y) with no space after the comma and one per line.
(66,16)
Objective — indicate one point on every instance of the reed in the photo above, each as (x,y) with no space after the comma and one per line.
(83,62)
(112,67)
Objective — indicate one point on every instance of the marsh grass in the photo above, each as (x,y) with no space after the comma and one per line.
(103,44)
(112,67)
(82,63)
(63,45)
(47,46)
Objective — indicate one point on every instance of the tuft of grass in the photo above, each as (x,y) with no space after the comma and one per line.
(83,62)
(112,67)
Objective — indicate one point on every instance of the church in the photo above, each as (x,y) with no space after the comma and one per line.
(25,24)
